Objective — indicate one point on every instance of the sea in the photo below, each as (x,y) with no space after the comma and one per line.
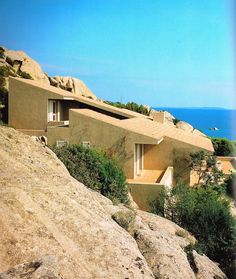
(204,119)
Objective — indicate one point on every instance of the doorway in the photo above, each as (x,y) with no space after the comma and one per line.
(53,111)
(138,160)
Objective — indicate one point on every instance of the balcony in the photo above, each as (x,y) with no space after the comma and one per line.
(148,185)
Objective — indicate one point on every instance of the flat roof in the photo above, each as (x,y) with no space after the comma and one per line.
(66,95)
(151,129)
(136,122)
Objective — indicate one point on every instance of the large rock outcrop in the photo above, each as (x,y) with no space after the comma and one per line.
(21,62)
(73,85)
(21,65)
(184,126)
(44,211)
(165,246)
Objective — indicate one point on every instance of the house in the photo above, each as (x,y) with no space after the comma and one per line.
(145,146)
(225,164)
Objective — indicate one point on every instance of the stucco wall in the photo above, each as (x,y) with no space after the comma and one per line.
(143,193)
(161,156)
(106,136)
(58,133)
(28,105)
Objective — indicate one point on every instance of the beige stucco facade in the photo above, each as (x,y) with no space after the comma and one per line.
(140,143)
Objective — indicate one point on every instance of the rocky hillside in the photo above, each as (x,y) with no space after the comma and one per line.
(52,226)
(18,63)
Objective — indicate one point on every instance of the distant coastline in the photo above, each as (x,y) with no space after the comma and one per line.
(204,118)
(209,108)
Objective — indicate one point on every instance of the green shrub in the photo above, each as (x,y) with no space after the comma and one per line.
(124,218)
(206,214)
(6,71)
(157,206)
(96,170)
(130,106)
(2,52)
(3,104)
(224,147)
(25,75)
(231,185)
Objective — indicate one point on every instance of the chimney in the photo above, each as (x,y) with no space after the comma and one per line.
(160,117)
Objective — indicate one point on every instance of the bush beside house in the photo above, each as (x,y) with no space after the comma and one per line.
(96,170)
(203,210)
(206,214)
(224,147)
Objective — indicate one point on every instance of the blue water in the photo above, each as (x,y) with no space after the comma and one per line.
(205,118)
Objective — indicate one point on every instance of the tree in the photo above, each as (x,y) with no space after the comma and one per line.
(224,147)
(209,174)
(206,214)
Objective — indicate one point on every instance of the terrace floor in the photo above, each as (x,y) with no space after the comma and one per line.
(148,176)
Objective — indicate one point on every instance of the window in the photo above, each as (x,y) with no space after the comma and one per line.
(53,110)
(138,159)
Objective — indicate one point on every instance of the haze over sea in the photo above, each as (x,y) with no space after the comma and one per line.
(205,118)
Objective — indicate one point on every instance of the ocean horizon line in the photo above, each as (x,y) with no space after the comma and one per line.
(209,108)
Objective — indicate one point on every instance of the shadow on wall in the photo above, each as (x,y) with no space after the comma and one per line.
(143,192)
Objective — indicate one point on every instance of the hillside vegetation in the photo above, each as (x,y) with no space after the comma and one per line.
(130,106)
(204,210)
(96,170)
(224,147)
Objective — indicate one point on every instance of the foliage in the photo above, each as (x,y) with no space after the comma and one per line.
(224,147)
(189,252)
(3,105)
(124,218)
(130,106)
(205,166)
(7,71)
(231,185)
(206,214)
(96,170)
(157,206)
(24,75)
(2,52)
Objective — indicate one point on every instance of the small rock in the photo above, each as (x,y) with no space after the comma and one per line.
(184,126)
(207,269)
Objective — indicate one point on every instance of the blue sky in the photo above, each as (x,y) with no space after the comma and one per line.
(164,53)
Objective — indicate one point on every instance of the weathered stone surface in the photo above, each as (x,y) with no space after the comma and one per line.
(66,219)
(163,255)
(206,268)
(19,60)
(73,85)
(163,245)
(184,126)
(165,226)
(44,211)
(45,268)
